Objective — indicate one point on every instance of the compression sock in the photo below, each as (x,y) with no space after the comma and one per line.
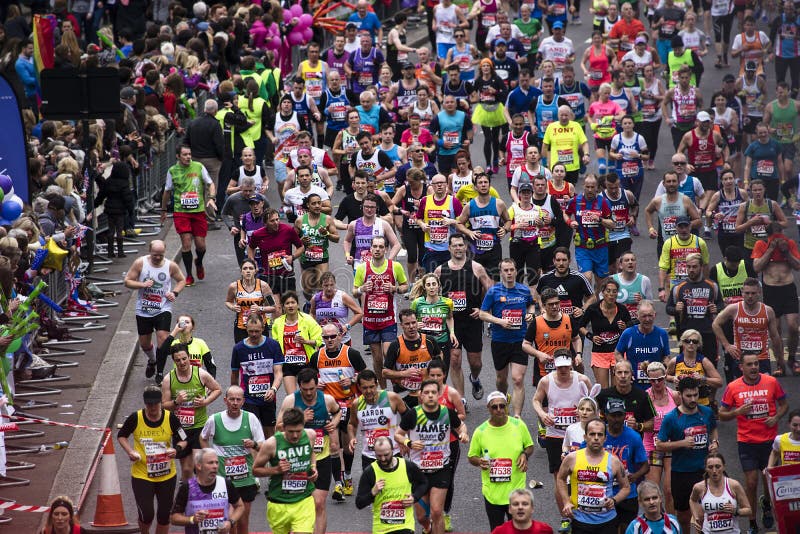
(200,255)
(187,262)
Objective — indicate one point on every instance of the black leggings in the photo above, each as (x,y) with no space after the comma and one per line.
(526,257)
(722,32)
(455,455)
(793,66)
(491,144)
(788,185)
(143,493)
(414,241)
(649,130)
(497,514)
(726,240)
(116,225)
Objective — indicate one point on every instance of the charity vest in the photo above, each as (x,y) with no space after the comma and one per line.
(751,332)
(730,287)
(152,301)
(375,421)
(332,369)
(254,133)
(336,110)
(152,444)
(188,188)
(245,299)
(314,78)
(790,452)
(215,504)
(485,221)
(379,305)
(317,250)
(388,512)
(783,122)
(188,414)
(293,486)
(435,437)
(676,62)
(589,486)
(702,152)
(562,404)
(416,359)
(549,339)
(317,424)
(235,461)
(757,232)
(438,233)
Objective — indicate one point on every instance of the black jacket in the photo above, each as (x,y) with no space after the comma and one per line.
(116,191)
(204,136)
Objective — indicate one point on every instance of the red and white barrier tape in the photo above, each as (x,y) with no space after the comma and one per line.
(23,507)
(55,423)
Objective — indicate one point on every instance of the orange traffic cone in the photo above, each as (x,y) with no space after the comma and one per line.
(109,511)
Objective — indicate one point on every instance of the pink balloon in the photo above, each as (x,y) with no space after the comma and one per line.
(306,21)
(287,16)
(295,38)
(296,10)
(274,43)
(308,34)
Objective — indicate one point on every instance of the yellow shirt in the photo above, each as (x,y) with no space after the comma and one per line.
(564,142)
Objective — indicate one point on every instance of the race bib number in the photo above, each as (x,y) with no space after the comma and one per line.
(759,231)
(484,242)
(669,225)
(156,459)
(337,112)
(452,137)
(190,200)
(373,435)
(720,521)
(294,482)
(258,385)
(759,410)
(630,168)
(500,469)
(459,299)
(377,303)
(563,417)
(236,467)
(681,270)
(314,254)
(590,218)
(319,440)
(566,156)
(700,435)
(434,325)
(364,79)
(314,88)
(431,460)
(214,518)
(393,513)
(411,383)
(697,307)
(437,230)
(299,359)
(185,416)
(751,343)
(591,497)
(488,20)
(514,317)
(275,259)
(765,168)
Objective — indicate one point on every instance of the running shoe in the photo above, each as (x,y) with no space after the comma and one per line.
(189,281)
(752,530)
(766,512)
(201,271)
(159,378)
(464,402)
(576,20)
(150,370)
(707,232)
(448,523)
(566,525)
(477,388)
(338,493)
(348,486)
(634,231)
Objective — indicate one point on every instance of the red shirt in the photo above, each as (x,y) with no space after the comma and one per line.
(763,396)
(631,29)
(761,247)
(275,246)
(537,527)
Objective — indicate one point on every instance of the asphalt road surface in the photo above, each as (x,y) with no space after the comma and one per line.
(214,324)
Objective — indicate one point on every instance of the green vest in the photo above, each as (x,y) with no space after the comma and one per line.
(676,62)
(235,461)
(254,133)
(783,122)
(636,87)
(188,189)
(220,116)
(317,250)
(272,83)
(730,287)
(388,512)
(757,232)
(293,486)
(188,414)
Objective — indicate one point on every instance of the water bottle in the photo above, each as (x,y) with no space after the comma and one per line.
(286,264)
(345,390)
(60,445)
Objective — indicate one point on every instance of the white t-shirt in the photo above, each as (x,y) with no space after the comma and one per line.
(737,41)
(574,435)
(494,33)
(692,40)
(518,174)
(294,197)
(557,52)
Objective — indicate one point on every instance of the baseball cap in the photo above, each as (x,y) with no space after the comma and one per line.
(525,186)
(563,358)
(127,92)
(750,65)
(683,219)
(640,40)
(558,25)
(256,197)
(495,395)
(406,65)
(703,116)
(677,41)
(615,406)
(500,41)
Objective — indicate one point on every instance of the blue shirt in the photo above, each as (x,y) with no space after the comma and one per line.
(256,367)
(370,23)
(513,303)
(764,156)
(677,426)
(519,102)
(628,447)
(638,348)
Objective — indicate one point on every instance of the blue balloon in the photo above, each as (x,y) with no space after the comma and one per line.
(10,210)
(5,183)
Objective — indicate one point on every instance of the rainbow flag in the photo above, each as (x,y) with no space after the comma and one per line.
(44,41)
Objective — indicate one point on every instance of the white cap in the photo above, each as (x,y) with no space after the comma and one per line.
(494,395)
(703,116)
(563,361)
